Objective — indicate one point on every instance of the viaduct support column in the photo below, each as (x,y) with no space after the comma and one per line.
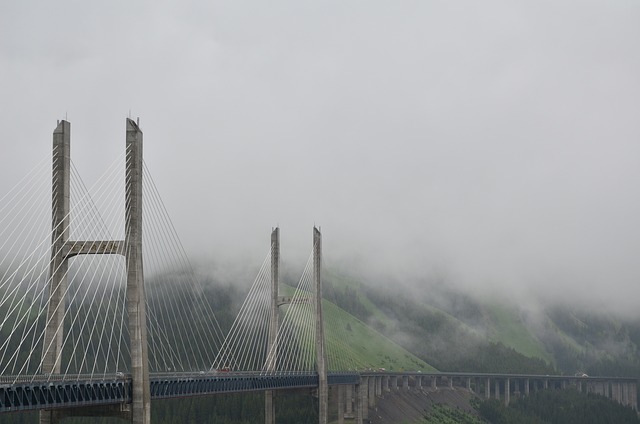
(361,400)
(371,392)
(405,382)
(364,401)
(349,399)
(507,393)
(497,388)
(615,391)
(487,388)
(526,387)
(272,348)
(341,402)
(321,356)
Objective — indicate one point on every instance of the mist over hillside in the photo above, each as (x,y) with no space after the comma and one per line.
(454,330)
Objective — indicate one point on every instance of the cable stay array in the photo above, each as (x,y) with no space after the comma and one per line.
(245,346)
(183,333)
(94,293)
(294,347)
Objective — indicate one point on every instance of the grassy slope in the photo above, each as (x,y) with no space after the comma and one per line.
(509,329)
(353,344)
(505,324)
(346,335)
(552,336)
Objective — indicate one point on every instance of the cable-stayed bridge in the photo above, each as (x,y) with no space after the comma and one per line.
(101,311)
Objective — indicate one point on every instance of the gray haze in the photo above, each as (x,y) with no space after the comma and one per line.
(490,143)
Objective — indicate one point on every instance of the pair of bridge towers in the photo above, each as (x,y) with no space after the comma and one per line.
(62,249)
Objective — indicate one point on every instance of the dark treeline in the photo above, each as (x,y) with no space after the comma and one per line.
(439,340)
(558,407)
(291,408)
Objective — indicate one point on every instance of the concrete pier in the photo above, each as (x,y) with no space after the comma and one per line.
(360,401)
(349,399)
(364,404)
(507,391)
(371,392)
(341,403)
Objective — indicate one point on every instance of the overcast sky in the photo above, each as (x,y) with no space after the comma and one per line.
(496,143)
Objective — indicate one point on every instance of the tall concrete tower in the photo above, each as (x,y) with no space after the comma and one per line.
(62,249)
(321,356)
(58,269)
(272,348)
(136,308)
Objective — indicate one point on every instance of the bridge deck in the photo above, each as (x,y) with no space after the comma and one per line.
(57,392)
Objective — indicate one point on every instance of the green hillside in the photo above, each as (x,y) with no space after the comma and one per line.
(348,336)
(353,344)
(453,331)
(507,327)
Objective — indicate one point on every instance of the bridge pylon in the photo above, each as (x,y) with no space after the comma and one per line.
(276,302)
(62,249)
(321,354)
(269,404)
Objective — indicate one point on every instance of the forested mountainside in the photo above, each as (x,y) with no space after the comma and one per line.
(435,328)
(454,331)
